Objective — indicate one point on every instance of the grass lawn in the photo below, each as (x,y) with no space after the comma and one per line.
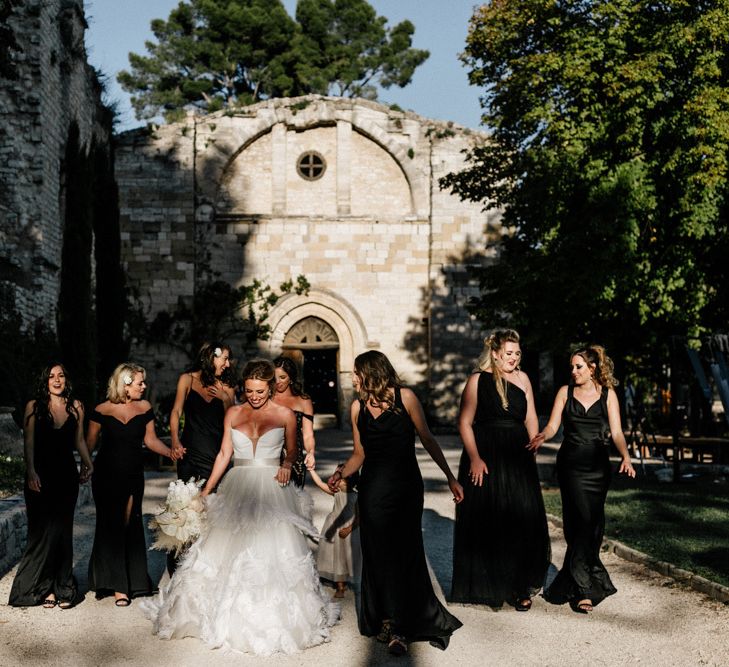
(684,524)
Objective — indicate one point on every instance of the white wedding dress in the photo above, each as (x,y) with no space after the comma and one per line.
(249,583)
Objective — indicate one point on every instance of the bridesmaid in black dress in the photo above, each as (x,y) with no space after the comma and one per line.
(398,603)
(591,415)
(118,561)
(501,541)
(53,429)
(290,393)
(203,395)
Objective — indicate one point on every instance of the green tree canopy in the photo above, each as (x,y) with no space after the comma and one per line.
(220,53)
(608,156)
(344,48)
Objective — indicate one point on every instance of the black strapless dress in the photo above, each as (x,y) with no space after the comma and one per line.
(501,549)
(583,470)
(396,584)
(119,554)
(47,564)
(201,436)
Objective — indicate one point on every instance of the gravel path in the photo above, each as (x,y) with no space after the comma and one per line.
(651,621)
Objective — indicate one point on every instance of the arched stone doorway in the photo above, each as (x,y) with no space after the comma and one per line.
(314,345)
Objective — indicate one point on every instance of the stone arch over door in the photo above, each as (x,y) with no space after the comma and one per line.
(314,345)
(337,314)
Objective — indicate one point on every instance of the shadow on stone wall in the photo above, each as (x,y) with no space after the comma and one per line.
(445,340)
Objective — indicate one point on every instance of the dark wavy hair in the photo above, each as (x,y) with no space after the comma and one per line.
(42,396)
(291,369)
(376,377)
(595,356)
(204,364)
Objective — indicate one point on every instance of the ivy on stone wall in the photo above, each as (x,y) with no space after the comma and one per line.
(75,317)
(91,308)
(111,300)
(23,351)
(219,311)
(8,43)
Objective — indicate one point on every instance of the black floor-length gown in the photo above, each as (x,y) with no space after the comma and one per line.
(201,435)
(47,564)
(501,540)
(583,470)
(396,584)
(119,555)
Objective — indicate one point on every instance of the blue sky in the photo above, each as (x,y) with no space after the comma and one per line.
(439,88)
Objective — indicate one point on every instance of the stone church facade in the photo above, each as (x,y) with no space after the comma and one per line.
(342,191)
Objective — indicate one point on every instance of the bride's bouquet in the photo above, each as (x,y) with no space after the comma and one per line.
(178,523)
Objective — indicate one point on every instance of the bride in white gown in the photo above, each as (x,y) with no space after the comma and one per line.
(250,582)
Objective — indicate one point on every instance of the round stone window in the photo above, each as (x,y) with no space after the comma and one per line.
(311,166)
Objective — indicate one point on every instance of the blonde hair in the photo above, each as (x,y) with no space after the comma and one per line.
(595,356)
(122,377)
(491,345)
(376,378)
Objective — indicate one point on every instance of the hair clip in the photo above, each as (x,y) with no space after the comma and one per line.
(127,379)
(218,352)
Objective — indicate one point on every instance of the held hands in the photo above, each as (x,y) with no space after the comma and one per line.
(456,489)
(627,467)
(536,442)
(345,532)
(477,472)
(86,473)
(178,451)
(34,483)
(283,476)
(333,481)
(310,461)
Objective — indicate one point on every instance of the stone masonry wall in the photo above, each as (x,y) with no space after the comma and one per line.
(53,86)
(388,254)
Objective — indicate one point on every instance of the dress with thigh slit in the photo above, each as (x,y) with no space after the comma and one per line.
(47,564)
(583,470)
(396,584)
(119,555)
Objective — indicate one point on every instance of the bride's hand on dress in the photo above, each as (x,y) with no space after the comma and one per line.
(283,476)
(477,472)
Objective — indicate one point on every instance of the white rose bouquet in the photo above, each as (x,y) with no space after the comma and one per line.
(178,523)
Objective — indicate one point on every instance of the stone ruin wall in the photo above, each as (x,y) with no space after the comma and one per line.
(385,250)
(52,87)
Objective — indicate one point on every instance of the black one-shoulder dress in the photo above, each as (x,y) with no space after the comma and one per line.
(396,584)
(501,549)
(47,563)
(119,555)
(583,470)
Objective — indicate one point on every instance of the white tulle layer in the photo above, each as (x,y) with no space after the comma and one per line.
(249,583)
